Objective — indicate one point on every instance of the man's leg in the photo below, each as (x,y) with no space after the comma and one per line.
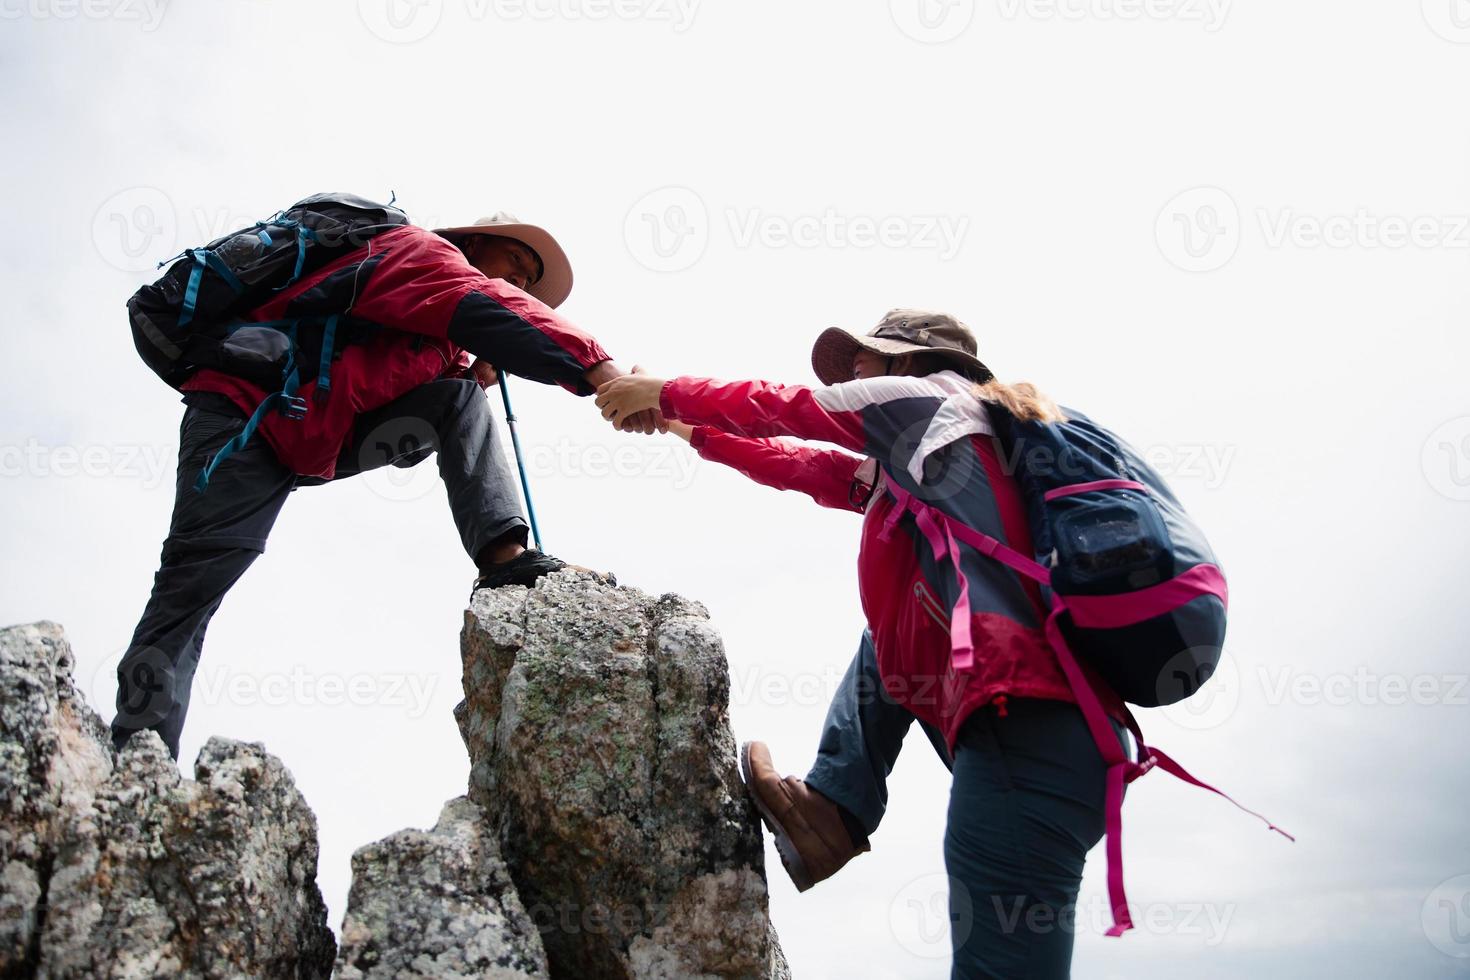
(213,537)
(451,418)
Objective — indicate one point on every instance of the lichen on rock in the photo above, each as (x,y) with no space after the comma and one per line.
(597,722)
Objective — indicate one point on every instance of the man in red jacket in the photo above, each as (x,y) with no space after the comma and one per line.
(406,392)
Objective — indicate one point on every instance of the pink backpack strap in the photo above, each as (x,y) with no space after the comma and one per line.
(941,531)
(1121,771)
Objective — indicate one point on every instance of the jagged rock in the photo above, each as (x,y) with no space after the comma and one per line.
(131,870)
(596,719)
(54,753)
(437,904)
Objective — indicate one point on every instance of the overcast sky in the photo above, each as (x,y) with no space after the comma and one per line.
(1237,233)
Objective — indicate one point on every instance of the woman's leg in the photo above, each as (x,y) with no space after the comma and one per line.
(1025,808)
(861,739)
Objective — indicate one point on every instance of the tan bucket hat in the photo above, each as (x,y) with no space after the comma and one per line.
(556,271)
(899,332)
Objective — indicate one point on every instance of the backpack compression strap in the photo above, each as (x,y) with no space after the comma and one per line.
(943,534)
(285,400)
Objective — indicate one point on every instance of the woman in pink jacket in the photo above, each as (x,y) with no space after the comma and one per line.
(1027,800)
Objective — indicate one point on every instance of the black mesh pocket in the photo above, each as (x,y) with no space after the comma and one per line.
(1114,547)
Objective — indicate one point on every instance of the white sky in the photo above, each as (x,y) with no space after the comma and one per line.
(1289,340)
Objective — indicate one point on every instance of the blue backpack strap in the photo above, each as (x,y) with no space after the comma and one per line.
(324,367)
(204,258)
(303,235)
(285,400)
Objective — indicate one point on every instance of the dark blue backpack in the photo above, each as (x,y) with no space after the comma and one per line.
(1145,598)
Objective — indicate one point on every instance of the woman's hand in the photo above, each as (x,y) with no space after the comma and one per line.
(624,397)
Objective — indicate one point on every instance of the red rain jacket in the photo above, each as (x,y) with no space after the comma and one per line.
(417,285)
(929,425)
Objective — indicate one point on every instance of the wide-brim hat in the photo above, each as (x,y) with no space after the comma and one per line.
(899,332)
(556,270)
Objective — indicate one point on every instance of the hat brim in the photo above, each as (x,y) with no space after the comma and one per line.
(835,348)
(555,283)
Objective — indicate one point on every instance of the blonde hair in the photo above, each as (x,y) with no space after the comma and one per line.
(1023,400)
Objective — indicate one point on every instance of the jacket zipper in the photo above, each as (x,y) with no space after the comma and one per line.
(930,605)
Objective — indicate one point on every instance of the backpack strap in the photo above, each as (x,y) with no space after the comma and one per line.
(324,365)
(943,532)
(203,258)
(285,400)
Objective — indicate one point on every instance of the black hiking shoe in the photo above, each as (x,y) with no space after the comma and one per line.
(523,569)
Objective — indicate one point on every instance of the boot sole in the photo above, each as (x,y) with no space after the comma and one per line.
(790,857)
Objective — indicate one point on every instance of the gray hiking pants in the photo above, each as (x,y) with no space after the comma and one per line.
(215,535)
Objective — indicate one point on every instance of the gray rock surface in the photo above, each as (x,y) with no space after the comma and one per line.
(596,719)
(54,754)
(437,903)
(123,868)
(605,835)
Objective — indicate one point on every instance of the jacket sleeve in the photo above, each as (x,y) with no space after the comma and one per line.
(828,476)
(884,417)
(423,284)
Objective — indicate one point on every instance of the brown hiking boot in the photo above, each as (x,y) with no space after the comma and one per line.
(810,836)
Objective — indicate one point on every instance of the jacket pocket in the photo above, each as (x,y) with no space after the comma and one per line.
(930,605)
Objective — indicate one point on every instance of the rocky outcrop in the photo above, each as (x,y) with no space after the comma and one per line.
(120,867)
(437,903)
(596,719)
(54,754)
(605,833)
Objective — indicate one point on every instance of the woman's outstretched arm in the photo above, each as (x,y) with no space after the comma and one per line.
(829,476)
(884,417)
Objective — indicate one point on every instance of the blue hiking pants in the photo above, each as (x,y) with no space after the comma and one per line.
(1025,807)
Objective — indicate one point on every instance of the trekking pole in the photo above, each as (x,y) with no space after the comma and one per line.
(515,441)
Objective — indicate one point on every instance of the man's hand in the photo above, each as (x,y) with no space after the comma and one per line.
(626,397)
(484,373)
(647,420)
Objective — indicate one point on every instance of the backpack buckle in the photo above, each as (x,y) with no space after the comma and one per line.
(294,407)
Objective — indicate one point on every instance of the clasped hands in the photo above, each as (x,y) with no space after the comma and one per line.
(629,400)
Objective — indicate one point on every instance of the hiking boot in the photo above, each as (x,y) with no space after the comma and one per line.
(810,836)
(523,569)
